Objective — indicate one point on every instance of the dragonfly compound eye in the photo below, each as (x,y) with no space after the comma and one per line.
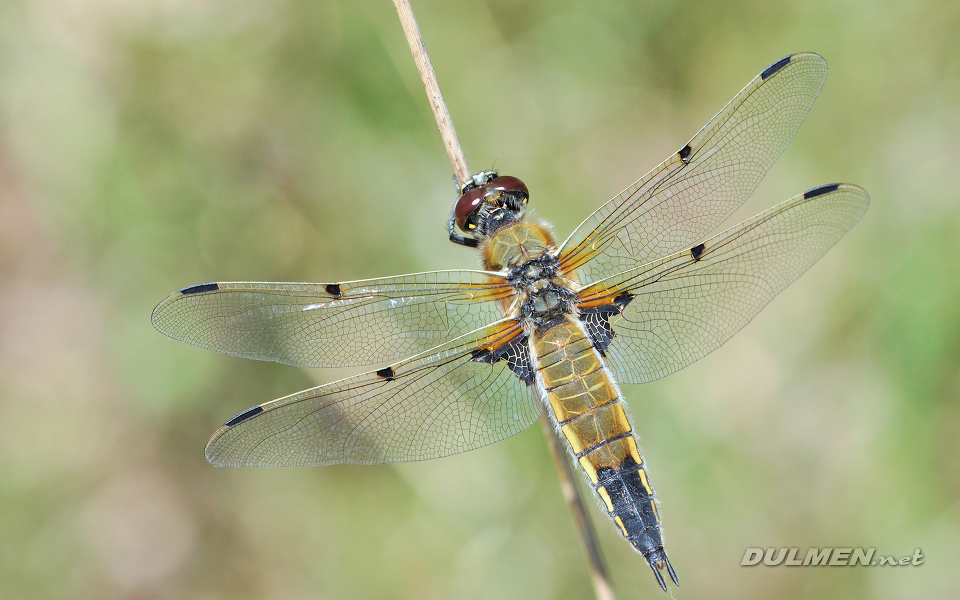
(513,187)
(467,206)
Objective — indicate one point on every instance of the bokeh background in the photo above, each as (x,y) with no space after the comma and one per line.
(151,144)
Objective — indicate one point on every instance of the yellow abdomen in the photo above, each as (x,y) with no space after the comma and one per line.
(586,405)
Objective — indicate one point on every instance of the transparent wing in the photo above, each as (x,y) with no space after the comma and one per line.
(333,325)
(443,402)
(695,190)
(679,309)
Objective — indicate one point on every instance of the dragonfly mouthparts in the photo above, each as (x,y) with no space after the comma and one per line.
(658,560)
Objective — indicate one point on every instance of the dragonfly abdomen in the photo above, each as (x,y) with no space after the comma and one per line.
(586,405)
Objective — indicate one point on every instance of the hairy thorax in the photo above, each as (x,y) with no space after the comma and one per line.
(543,294)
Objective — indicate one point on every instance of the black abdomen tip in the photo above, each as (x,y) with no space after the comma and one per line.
(200,289)
(245,415)
(769,71)
(658,560)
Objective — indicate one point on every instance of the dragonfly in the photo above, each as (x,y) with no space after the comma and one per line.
(635,293)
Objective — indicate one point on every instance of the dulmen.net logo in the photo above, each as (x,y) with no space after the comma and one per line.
(827,557)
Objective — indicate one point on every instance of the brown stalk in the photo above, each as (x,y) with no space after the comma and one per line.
(432,88)
(568,484)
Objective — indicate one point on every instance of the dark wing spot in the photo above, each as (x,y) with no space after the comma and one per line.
(517,354)
(623,299)
(387,373)
(199,289)
(333,289)
(596,321)
(769,71)
(247,414)
(685,153)
(697,251)
(481,355)
(819,191)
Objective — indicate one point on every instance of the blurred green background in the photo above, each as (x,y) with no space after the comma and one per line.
(149,145)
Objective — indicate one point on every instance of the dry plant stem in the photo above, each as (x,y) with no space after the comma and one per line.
(430,85)
(568,484)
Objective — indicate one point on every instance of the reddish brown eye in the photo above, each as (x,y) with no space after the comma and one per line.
(466,205)
(509,184)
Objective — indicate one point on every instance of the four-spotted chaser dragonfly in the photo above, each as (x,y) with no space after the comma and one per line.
(635,293)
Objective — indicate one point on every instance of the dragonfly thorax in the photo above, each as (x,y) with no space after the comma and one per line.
(543,294)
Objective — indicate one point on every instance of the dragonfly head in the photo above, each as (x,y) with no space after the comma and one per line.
(489,202)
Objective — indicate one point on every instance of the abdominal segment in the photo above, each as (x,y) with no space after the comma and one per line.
(586,404)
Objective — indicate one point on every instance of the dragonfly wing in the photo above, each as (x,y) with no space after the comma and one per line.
(665,315)
(695,190)
(465,394)
(333,325)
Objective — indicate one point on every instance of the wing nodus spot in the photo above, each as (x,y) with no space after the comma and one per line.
(245,415)
(684,153)
(200,289)
(517,354)
(387,373)
(697,251)
(333,289)
(772,69)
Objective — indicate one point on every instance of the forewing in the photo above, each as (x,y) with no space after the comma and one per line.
(449,400)
(333,325)
(679,309)
(695,190)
